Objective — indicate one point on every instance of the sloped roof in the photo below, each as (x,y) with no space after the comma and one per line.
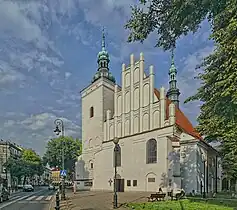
(181,120)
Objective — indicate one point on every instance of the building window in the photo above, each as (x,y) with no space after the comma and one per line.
(134,183)
(151,151)
(118,158)
(91,112)
(151,179)
(92,166)
(128,183)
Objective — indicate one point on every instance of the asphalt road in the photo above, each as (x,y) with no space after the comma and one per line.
(37,200)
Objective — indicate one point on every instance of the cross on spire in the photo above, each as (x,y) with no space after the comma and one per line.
(172,56)
(103,39)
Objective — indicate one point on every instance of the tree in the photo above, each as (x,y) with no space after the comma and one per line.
(53,155)
(16,167)
(28,165)
(33,164)
(173,18)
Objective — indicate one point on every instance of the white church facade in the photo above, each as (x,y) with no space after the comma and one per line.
(158,145)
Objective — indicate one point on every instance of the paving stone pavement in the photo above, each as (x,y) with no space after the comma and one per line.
(98,200)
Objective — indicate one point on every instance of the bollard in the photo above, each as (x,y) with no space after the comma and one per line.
(57,207)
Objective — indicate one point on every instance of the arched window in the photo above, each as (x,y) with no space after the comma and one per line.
(91,112)
(151,151)
(118,156)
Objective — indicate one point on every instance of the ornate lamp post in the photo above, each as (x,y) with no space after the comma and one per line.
(204,175)
(60,128)
(116,150)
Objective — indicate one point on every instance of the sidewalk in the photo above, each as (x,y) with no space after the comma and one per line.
(102,200)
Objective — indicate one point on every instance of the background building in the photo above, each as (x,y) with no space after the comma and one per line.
(8,149)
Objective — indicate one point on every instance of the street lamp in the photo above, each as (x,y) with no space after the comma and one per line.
(116,150)
(60,128)
(204,175)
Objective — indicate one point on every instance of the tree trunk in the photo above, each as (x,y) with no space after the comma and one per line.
(24,181)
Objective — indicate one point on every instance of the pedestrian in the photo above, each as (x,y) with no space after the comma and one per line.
(74,187)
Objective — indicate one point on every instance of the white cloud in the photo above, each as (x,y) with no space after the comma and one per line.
(9,123)
(187,84)
(16,24)
(10,76)
(34,131)
(67,75)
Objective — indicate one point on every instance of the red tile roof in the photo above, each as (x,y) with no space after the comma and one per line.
(181,120)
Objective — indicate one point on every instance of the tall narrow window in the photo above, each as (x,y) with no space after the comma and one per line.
(91,112)
(151,150)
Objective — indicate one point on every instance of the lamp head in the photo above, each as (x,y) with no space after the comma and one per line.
(116,140)
(57,131)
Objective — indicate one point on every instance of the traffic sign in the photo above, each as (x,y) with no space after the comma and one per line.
(63,173)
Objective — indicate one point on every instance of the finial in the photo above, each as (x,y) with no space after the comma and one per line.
(103,38)
(172,56)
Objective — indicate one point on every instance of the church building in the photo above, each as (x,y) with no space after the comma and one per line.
(158,146)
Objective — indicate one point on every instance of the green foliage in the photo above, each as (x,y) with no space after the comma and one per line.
(218,93)
(28,165)
(72,149)
(170,19)
(182,204)
(16,167)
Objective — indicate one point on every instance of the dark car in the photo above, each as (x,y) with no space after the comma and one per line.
(4,195)
(28,188)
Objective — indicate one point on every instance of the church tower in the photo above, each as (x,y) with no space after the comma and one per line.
(103,63)
(96,99)
(173,92)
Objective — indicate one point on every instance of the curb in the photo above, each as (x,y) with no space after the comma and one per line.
(67,204)
(64,204)
(51,205)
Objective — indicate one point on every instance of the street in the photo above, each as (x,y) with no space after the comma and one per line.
(37,200)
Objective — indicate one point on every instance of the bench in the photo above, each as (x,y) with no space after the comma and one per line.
(177,196)
(156,197)
(180,195)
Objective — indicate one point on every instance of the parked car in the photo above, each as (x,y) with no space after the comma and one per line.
(4,195)
(51,187)
(28,188)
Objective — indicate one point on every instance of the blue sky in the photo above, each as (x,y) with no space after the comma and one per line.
(48,52)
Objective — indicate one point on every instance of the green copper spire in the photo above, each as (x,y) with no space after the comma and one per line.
(172,67)
(103,62)
(173,92)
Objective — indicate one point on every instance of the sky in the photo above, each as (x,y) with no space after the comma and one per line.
(48,52)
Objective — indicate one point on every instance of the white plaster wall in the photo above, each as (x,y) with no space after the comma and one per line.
(100,96)
(134,166)
(188,162)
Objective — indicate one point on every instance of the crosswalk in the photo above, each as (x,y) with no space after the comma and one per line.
(33,199)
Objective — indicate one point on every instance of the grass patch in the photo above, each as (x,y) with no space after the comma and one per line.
(179,205)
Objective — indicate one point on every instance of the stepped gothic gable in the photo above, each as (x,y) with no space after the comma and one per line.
(140,107)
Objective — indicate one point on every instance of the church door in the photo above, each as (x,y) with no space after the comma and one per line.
(120,185)
(151,183)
